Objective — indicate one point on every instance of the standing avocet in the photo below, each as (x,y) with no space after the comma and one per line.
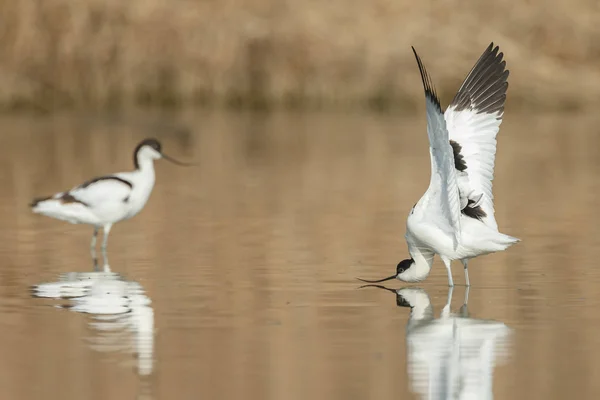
(455,216)
(105,200)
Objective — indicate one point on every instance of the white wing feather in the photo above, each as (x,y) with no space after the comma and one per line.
(473,120)
(89,203)
(442,199)
(104,192)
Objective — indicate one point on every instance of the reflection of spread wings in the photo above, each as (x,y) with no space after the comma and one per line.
(442,200)
(473,120)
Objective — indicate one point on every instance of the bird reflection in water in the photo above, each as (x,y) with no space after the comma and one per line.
(451,357)
(121,315)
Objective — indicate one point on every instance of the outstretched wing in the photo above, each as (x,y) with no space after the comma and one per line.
(442,198)
(473,120)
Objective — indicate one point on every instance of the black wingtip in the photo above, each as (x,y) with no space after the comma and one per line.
(484,89)
(427,83)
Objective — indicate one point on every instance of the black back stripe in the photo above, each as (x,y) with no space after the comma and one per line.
(38,200)
(105,178)
(67,197)
(64,198)
(484,88)
(459,160)
(427,84)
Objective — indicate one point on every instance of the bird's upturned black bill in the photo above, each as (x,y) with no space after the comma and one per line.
(380,280)
(174,161)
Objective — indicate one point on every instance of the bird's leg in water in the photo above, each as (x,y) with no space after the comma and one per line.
(464,262)
(464,310)
(93,249)
(104,245)
(106,267)
(447,264)
(446,309)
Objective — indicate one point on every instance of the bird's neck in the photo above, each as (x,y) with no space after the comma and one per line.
(421,266)
(145,166)
(421,311)
(145,177)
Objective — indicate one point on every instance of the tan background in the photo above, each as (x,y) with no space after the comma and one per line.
(74,53)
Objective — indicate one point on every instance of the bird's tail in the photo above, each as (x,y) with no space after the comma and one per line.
(64,206)
(505,241)
(40,203)
(56,206)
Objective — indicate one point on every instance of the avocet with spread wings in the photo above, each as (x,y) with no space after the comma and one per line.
(108,199)
(455,216)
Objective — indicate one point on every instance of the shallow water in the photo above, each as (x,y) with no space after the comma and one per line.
(239,274)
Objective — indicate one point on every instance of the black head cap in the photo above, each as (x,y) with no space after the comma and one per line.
(404,265)
(155,144)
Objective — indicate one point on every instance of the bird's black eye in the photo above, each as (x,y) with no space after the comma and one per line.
(399,268)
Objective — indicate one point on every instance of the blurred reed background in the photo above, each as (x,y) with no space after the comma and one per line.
(250,259)
(282,53)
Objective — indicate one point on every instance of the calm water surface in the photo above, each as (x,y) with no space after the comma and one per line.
(239,275)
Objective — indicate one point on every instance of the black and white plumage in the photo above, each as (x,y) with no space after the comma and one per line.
(105,200)
(452,356)
(455,217)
